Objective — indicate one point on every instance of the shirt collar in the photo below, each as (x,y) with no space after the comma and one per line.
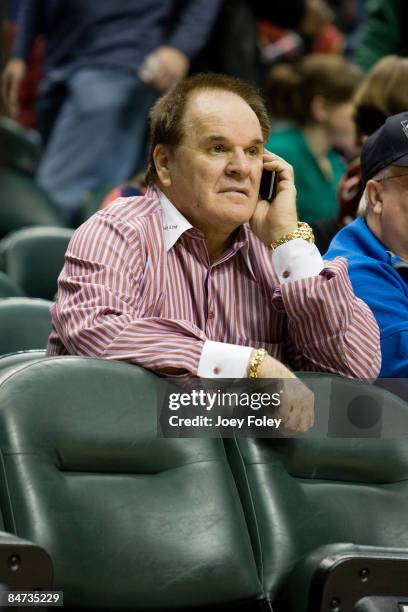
(174,224)
(397,261)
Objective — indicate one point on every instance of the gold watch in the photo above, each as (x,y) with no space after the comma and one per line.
(303,231)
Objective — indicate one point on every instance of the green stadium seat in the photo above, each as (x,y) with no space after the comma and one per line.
(23,203)
(8,288)
(25,323)
(11,361)
(130,521)
(20,148)
(305,493)
(135,521)
(33,258)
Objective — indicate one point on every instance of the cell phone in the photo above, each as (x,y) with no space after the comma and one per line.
(267,188)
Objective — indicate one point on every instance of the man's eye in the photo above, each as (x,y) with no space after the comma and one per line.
(253,151)
(218,148)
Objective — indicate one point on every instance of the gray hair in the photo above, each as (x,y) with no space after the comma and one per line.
(363,204)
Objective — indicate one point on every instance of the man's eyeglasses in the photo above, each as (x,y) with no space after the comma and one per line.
(387,178)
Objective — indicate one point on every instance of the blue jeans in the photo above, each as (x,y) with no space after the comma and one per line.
(99,135)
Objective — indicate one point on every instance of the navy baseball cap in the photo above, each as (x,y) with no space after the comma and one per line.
(387,146)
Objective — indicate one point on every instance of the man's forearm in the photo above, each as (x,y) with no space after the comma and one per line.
(194,26)
(330,328)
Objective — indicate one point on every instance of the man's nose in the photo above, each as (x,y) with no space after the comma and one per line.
(238,164)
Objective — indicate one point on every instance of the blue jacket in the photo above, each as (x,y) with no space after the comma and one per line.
(381,280)
(112,33)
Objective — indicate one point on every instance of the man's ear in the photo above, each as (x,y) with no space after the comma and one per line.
(161,158)
(374,196)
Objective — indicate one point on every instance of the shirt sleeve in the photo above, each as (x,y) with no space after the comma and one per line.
(222,360)
(329,328)
(194,26)
(297,259)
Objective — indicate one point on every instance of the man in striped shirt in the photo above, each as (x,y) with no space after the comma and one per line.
(199,274)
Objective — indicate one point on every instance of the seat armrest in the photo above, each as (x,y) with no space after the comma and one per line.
(24,565)
(337,576)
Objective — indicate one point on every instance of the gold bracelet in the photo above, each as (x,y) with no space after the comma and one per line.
(303,231)
(256,361)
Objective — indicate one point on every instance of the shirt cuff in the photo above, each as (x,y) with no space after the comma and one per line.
(222,360)
(297,259)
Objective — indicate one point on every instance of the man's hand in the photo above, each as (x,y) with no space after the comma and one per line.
(164,67)
(297,401)
(13,76)
(297,407)
(273,220)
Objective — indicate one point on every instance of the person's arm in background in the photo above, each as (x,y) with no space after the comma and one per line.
(28,27)
(171,62)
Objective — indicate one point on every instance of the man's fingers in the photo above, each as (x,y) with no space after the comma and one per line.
(276,164)
(297,409)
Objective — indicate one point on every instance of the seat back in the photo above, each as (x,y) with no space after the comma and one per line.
(25,324)
(23,203)
(12,361)
(33,258)
(130,520)
(20,148)
(8,288)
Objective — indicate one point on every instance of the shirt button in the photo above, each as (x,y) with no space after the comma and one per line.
(210,314)
(286,274)
(216,370)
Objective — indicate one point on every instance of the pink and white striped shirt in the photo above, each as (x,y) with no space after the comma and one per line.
(130,291)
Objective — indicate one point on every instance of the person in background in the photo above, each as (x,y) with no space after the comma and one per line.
(376,244)
(234,48)
(382,93)
(384,32)
(104,64)
(316,95)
